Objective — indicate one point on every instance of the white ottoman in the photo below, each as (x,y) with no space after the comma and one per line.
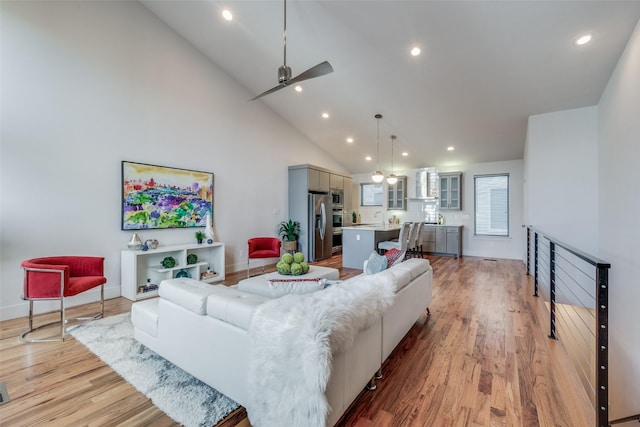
(259,285)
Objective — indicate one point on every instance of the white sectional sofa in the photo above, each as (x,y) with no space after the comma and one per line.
(214,333)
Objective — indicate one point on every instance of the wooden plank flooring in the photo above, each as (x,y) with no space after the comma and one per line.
(481,359)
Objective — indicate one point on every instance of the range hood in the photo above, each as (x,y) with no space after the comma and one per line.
(427,184)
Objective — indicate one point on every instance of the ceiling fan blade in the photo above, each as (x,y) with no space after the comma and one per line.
(317,71)
(273,89)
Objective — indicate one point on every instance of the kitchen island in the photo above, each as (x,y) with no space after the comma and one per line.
(358,241)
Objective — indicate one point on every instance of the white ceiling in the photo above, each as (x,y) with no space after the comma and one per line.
(485,67)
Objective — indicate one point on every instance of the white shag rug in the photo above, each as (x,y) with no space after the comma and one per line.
(178,394)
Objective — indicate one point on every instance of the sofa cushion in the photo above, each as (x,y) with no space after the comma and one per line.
(394,256)
(233,306)
(375,264)
(280,287)
(399,277)
(187,293)
(415,266)
(144,316)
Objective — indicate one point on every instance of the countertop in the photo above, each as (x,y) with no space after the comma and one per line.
(373,227)
(379,227)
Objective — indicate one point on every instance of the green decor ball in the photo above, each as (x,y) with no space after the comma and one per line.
(298,257)
(168,262)
(296,269)
(305,267)
(288,258)
(283,268)
(192,258)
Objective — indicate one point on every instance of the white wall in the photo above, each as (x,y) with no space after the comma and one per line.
(481,246)
(562,167)
(86,85)
(582,187)
(618,225)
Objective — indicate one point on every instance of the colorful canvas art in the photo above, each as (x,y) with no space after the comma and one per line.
(163,197)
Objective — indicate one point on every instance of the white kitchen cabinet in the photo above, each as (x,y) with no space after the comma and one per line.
(450,196)
(143,268)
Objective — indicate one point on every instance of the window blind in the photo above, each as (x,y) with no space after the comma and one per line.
(491,205)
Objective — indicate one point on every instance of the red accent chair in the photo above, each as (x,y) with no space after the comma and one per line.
(263,247)
(55,278)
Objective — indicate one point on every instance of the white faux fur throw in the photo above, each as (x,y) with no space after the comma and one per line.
(293,339)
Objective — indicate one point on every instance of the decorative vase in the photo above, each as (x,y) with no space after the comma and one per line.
(290,245)
(208,231)
(182,274)
(135,243)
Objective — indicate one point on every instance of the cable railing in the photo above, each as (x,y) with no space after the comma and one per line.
(574,286)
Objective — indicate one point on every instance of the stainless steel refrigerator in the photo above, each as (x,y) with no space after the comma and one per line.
(320,229)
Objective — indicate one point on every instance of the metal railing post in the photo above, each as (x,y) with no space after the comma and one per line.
(535,264)
(552,290)
(528,251)
(602,355)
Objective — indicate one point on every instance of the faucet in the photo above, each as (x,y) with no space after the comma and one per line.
(381,216)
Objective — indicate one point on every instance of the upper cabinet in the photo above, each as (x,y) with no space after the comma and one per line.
(348,195)
(336,181)
(450,195)
(397,194)
(318,180)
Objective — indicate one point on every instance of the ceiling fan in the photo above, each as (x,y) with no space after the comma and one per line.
(284,71)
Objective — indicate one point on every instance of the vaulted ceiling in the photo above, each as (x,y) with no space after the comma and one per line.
(484,67)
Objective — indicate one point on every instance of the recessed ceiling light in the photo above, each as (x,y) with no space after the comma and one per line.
(584,39)
(298,88)
(349,140)
(450,148)
(325,115)
(226,14)
(415,51)
(368,158)
(405,154)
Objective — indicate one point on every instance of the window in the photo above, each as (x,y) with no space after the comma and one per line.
(491,205)
(371,194)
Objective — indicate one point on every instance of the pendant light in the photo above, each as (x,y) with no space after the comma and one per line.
(392,179)
(377,176)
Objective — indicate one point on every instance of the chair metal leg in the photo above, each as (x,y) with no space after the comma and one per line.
(378,375)
(63,321)
(23,336)
(371,385)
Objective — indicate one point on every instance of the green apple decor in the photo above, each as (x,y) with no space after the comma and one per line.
(292,265)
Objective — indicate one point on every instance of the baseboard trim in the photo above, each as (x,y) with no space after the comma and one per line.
(22,309)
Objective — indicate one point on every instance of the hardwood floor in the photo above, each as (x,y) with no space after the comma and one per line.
(480,359)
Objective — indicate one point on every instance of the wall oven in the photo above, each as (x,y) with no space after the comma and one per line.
(337,198)
(336,221)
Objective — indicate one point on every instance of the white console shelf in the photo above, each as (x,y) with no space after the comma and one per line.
(141,268)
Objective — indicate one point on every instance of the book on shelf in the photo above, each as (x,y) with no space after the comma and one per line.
(147,288)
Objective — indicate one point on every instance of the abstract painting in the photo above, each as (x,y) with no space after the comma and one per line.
(163,197)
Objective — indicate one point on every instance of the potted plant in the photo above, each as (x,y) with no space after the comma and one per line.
(200,236)
(289,231)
